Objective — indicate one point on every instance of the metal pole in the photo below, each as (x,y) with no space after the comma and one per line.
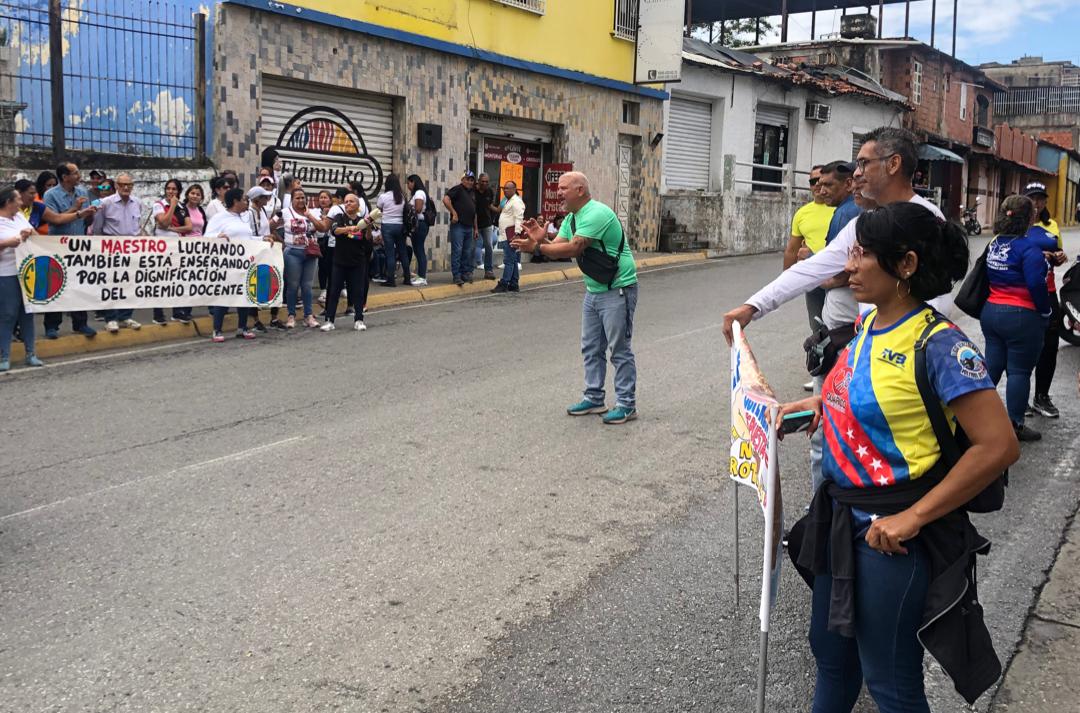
(955,7)
(813,21)
(689,16)
(880,17)
(763,661)
(757,30)
(735,489)
(933,21)
(907,18)
(783,21)
(200,86)
(56,78)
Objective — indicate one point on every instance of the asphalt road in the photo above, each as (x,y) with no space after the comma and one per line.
(405,519)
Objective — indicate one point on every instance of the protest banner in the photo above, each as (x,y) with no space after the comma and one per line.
(101,272)
(753,463)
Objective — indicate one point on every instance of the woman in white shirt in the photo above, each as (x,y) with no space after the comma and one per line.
(15,229)
(392,205)
(510,218)
(300,225)
(420,200)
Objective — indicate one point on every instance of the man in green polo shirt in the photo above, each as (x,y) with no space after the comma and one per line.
(607,316)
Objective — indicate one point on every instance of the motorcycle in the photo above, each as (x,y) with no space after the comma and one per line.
(1069,293)
(971,222)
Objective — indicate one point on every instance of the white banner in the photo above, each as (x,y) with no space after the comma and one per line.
(102,272)
(658,51)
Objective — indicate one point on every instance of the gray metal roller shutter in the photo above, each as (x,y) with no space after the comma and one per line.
(773,115)
(371,114)
(688,144)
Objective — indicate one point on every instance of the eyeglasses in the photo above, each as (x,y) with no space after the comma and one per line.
(813,182)
(119,185)
(856,252)
(861,163)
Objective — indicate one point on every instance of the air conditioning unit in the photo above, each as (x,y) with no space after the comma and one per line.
(816,111)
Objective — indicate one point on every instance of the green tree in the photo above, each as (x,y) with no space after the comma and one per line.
(734,33)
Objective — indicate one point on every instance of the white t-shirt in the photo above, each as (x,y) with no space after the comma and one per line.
(214,207)
(298,227)
(807,274)
(391,211)
(160,208)
(10,228)
(233,225)
(422,196)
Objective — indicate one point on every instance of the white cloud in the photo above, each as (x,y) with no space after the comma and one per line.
(88,113)
(37,52)
(22,125)
(171,115)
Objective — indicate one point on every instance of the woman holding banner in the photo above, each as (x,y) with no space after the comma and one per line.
(14,231)
(887,545)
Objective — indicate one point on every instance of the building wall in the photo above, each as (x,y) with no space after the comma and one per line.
(570,35)
(429,87)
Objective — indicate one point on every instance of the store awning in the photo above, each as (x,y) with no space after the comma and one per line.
(929,152)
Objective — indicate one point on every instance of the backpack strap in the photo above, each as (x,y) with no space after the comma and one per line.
(950,449)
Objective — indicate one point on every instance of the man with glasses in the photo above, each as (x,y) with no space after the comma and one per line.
(67,196)
(119,214)
(883,173)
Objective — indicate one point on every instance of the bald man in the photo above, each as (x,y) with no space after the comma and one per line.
(593,234)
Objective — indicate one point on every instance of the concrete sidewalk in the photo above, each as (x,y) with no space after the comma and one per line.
(440,287)
(1043,677)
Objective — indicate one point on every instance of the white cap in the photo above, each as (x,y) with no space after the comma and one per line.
(258,192)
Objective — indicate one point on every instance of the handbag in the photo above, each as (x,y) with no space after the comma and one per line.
(312,249)
(598,264)
(975,291)
(823,347)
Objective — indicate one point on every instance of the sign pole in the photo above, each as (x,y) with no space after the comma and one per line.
(735,491)
(768,563)
(737,336)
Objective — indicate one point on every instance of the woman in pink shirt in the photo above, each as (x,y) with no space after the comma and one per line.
(193,199)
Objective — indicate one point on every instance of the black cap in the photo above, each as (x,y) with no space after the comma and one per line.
(1036,189)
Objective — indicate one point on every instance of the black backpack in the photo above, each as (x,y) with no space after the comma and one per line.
(430,216)
(953,445)
(408,217)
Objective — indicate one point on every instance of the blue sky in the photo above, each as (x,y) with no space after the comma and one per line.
(988,30)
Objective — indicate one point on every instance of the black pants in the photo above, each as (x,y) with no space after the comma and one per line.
(1047,365)
(355,280)
(53,320)
(326,263)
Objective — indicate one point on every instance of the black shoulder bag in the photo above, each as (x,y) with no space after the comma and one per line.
(598,264)
(975,290)
(952,445)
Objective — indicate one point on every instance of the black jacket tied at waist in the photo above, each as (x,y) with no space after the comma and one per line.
(952,629)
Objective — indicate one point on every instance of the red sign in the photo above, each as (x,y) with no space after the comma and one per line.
(527,155)
(551,206)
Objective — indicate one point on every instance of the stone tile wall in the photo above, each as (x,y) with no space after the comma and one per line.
(429,87)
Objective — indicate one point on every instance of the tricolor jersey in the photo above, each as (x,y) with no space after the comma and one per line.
(875,427)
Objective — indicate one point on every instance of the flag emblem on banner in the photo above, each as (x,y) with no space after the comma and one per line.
(42,278)
(263,284)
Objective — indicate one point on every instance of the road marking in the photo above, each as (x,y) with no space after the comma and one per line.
(687,333)
(176,471)
(107,355)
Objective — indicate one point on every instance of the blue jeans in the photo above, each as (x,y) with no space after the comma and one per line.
(418,237)
(890,593)
(299,273)
(119,315)
(393,236)
(510,264)
(486,247)
(218,313)
(1014,340)
(461,250)
(607,321)
(817,477)
(12,311)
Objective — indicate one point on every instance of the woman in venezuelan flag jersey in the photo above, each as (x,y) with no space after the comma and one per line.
(887,546)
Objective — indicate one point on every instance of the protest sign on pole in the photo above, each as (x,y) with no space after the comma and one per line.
(60,273)
(753,463)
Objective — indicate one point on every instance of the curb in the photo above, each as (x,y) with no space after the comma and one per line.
(74,344)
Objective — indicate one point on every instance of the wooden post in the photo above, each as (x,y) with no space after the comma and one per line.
(56,78)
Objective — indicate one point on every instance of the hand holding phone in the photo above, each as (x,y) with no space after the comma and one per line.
(796,422)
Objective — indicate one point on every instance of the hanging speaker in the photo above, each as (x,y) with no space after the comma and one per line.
(429,136)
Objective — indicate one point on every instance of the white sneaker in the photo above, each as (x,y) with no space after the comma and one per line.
(808,386)
(419,282)
(344,293)
(322,298)
(131,324)
(328,327)
(360,327)
(113,326)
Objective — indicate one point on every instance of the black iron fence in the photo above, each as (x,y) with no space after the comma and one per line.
(124,79)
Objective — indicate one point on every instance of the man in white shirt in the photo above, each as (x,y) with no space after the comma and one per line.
(883,173)
(511,216)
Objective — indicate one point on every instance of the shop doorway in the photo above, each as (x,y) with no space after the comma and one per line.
(521,161)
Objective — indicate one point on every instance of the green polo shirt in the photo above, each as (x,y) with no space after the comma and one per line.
(601,226)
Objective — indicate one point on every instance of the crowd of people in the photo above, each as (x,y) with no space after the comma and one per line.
(342,240)
(908,432)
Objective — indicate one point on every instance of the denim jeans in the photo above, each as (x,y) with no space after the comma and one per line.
(461,250)
(299,273)
(510,264)
(219,313)
(890,593)
(119,315)
(12,312)
(1014,340)
(486,247)
(607,321)
(418,237)
(394,241)
(817,477)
